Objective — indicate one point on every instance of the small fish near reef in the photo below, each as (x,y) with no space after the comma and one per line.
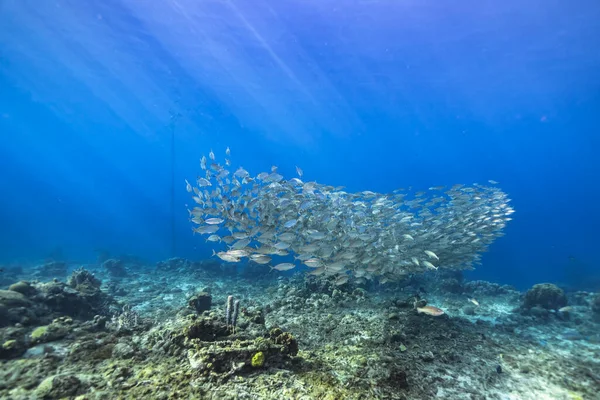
(430,310)
(473,301)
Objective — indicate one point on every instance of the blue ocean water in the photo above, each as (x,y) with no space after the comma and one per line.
(105,107)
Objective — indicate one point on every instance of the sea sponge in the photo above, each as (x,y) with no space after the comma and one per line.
(200,302)
(258,360)
(545,295)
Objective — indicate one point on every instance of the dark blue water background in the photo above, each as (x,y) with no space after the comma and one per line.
(371,95)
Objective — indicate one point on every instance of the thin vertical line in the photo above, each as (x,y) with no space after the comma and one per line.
(172,188)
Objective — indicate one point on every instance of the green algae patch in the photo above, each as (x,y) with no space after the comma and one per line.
(258,360)
(39,334)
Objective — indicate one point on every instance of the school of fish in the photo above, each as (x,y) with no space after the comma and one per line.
(359,236)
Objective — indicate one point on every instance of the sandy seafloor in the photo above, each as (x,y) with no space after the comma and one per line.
(127,330)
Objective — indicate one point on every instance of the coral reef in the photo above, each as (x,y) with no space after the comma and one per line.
(545,295)
(58,329)
(60,386)
(126,320)
(175,264)
(14,308)
(84,301)
(53,269)
(22,287)
(295,337)
(484,288)
(83,280)
(115,268)
(30,303)
(205,330)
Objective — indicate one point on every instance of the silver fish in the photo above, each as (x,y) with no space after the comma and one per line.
(291,223)
(202,182)
(313,263)
(341,280)
(431,254)
(429,265)
(213,238)
(260,258)
(284,266)
(206,229)
(363,235)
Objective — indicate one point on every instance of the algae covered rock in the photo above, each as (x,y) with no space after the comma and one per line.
(85,301)
(11,348)
(23,287)
(289,343)
(545,295)
(14,307)
(13,299)
(206,330)
(227,357)
(60,386)
(254,315)
(213,351)
(83,280)
(123,350)
(58,329)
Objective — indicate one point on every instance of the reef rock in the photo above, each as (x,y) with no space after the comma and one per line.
(61,386)
(14,307)
(82,279)
(115,268)
(175,264)
(11,299)
(200,302)
(227,356)
(85,301)
(22,287)
(54,269)
(545,295)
